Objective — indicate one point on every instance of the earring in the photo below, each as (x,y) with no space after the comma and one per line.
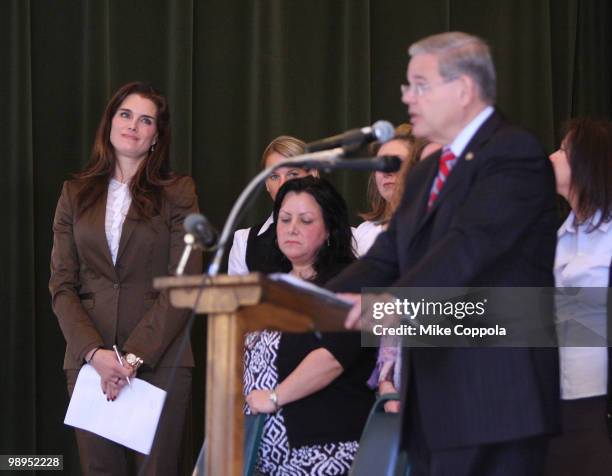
(152,148)
(328,241)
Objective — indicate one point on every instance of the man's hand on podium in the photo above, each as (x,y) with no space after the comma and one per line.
(352,319)
(361,315)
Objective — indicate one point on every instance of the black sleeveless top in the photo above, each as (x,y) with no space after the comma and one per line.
(261,253)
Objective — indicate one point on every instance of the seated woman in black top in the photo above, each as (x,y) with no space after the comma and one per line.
(314,389)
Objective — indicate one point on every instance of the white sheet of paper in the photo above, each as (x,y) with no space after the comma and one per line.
(131,420)
(308,286)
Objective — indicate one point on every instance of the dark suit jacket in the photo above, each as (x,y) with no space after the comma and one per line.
(98,304)
(493,224)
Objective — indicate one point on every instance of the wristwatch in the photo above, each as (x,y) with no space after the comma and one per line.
(273,396)
(133,360)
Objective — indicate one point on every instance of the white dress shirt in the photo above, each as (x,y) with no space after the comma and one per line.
(237,257)
(460,142)
(583,260)
(117,205)
(365,235)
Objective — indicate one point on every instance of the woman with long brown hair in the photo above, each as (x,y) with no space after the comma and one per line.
(118,224)
(583,259)
(385,191)
(385,188)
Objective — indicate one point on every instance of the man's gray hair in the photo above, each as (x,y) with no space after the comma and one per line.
(459,53)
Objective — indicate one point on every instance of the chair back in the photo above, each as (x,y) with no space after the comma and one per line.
(253,428)
(379,447)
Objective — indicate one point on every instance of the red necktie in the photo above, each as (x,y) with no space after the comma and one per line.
(444,168)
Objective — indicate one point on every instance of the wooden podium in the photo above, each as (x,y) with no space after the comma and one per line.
(237,305)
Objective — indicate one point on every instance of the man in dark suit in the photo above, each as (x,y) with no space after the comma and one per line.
(481,212)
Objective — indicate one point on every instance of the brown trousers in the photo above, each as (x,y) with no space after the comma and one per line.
(102,457)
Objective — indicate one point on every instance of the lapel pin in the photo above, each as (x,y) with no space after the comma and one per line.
(469,156)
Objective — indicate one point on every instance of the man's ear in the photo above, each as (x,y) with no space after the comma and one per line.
(468,90)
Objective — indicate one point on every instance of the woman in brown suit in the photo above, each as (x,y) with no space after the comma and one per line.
(118,225)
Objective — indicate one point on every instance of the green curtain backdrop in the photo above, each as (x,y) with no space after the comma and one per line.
(237,73)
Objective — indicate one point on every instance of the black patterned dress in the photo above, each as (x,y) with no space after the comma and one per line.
(276,456)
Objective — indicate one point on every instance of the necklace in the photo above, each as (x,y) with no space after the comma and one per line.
(307,274)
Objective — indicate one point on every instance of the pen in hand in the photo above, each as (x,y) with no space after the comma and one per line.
(121,362)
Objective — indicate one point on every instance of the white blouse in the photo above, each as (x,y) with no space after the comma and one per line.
(117,205)
(237,256)
(583,260)
(365,235)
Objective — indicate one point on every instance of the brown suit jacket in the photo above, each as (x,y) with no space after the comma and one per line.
(98,304)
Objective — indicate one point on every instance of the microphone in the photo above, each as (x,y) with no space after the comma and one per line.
(384,163)
(382,131)
(202,231)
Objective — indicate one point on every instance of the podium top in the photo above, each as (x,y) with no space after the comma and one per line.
(274,304)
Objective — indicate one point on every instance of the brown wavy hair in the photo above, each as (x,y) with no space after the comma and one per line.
(589,153)
(153,174)
(381,210)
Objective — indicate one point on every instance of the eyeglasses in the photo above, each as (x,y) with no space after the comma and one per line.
(419,89)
